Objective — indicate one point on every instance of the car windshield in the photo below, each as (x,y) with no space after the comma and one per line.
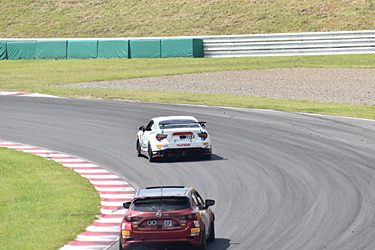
(179,124)
(160,204)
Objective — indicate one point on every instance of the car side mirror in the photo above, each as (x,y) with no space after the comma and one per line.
(127,204)
(203,124)
(142,128)
(210,203)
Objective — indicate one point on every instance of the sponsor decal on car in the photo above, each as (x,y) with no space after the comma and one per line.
(195,231)
(196,223)
(125,234)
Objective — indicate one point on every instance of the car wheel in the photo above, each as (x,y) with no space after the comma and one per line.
(203,244)
(120,245)
(212,232)
(138,148)
(150,154)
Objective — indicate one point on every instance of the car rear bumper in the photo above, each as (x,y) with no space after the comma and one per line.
(180,145)
(183,151)
(151,238)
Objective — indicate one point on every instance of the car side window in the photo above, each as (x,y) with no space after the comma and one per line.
(200,200)
(150,125)
(197,200)
(194,199)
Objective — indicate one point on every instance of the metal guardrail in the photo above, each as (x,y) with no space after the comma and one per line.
(282,44)
(290,44)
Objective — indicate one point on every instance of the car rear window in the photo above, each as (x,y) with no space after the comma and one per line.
(179,124)
(160,204)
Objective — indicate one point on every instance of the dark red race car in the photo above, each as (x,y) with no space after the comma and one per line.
(167,217)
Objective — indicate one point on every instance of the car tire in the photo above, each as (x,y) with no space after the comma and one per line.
(203,244)
(150,154)
(120,245)
(212,232)
(138,147)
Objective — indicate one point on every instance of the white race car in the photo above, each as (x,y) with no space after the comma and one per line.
(173,136)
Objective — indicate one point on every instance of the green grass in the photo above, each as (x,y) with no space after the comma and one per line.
(43,204)
(47,76)
(149,18)
(32,74)
(336,109)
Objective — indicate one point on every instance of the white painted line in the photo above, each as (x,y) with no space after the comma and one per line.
(96,238)
(108,203)
(69,160)
(108,212)
(8,93)
(51,155)
(110,220)
(91,171)
(83,165)
(41,95)
(114,189)
(103,229)
(117,196)
(37,151)
(70,247)
(4,93)
(109,182)
(88,176)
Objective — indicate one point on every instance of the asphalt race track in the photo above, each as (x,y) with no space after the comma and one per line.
(280,180)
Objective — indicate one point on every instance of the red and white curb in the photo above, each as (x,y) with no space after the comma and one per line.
(3,93)
(113,191)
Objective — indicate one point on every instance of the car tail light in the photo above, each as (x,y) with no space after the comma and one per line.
(160,137)
(203,135)
(187,217)
(132,218)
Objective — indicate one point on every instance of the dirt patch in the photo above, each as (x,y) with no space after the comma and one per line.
(352,86)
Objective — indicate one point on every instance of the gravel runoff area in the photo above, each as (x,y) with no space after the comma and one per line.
(351,86)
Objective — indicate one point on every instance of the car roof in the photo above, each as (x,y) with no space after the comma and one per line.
(162,191)
(164,118)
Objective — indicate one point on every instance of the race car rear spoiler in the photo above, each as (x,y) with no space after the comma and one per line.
(202,124)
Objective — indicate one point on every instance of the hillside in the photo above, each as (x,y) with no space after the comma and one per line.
(149,18)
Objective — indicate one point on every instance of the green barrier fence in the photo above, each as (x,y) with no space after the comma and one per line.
(84,49)
(105,48)
(51,49)
(144,48)
(113,49)
(21,50)
(3,50)
(181,48)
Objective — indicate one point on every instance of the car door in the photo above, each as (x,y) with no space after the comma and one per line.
(205,213)
(146,134)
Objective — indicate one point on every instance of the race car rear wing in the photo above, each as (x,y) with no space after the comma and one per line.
(203,124)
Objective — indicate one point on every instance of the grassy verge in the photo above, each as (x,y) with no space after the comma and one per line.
(37,213)
(46,76)
(336,109)
(134,18)
(34,74)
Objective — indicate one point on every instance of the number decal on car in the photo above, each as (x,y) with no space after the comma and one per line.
(152,222)
(168,223)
